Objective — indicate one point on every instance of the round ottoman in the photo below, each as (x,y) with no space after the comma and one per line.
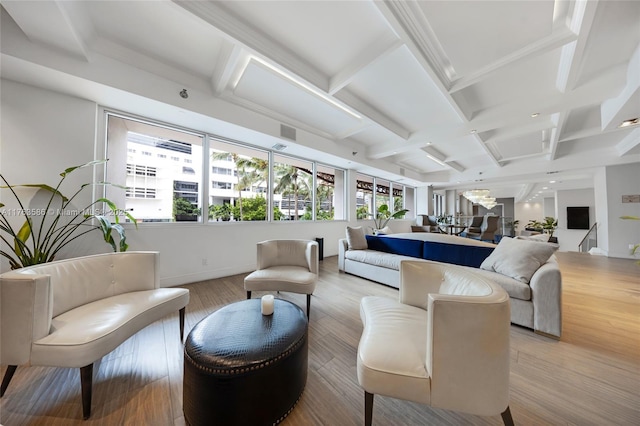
(245,368)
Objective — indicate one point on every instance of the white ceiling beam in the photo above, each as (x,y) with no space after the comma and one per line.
(524,192)
(626,105)
(228,59)
(629,142)
(371,113)
(409,23)
(560,120)
(376,52)
(573,54)
(256,41)
(515,132)
(58,24)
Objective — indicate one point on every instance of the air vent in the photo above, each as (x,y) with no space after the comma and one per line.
(553,173)
(287,132)
(279,147)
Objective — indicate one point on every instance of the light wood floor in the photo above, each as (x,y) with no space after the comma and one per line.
(590,377)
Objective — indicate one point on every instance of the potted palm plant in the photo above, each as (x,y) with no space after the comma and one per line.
(384,215)
(47,230)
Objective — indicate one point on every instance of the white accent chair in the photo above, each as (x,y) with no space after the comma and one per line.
(445,343)
(285,265)
(71,313)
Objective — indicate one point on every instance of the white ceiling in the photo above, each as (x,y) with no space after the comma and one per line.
(430,93)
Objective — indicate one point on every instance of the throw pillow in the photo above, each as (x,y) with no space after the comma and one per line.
(356,239)
(538,237)
(518,259)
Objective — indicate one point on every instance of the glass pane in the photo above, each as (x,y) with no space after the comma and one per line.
(239,178)
(398,197)
(364,196)
(293,188)
(160,167)
(329,193)
(382,193)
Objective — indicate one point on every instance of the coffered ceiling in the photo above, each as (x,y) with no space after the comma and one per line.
(506,95)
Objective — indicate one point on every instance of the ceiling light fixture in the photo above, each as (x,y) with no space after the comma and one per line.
(630,122)
(437,160)
(535,114)
(552,181)
(304,85)
(473,131)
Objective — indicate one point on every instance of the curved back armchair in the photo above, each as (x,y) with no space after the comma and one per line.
(71,313)
(444,343)
(285,265)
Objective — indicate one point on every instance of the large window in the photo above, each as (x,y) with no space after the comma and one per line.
(292,188)
(393,194)
(158,189)
(163,169)
(329,193)
(241,176)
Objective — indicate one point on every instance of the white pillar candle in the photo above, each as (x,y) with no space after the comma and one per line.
(267,304)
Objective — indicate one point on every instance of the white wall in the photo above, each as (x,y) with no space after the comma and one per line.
(570,238)
(525,212)
(44,132)
(622,180)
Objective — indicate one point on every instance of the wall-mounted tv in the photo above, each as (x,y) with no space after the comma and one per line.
(577,217)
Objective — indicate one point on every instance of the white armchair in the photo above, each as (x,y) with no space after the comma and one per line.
(285,265)
(445,343)
(71,313)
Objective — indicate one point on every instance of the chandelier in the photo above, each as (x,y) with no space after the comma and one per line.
(480,196)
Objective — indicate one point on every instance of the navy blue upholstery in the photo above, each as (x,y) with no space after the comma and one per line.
(456,254)
(400,246)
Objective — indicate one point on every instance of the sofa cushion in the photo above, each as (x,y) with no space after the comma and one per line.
(405,247)
(355,238)
(518,259)
(464,255)
(376,258)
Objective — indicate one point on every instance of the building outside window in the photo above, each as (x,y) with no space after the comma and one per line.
(237,171)
(137,152)
(164,191)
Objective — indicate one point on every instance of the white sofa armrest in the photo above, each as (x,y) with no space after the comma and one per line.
(26,311)
(417,280)
(311,253)
(343,246)
(546,295)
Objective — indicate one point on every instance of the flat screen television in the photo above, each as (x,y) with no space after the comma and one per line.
(577,217)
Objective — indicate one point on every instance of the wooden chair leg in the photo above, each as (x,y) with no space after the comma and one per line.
(8,375)
(368,408)
(308,305)
(181,315)
(86,383)
(506,417)
(248,295)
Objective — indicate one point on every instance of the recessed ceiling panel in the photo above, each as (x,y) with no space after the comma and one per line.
(399,87)
(326,34)
(520,146)
(616,34)
(580,119)
(272,91)
(532,78)
(161,30)
(474,34)
(605,142)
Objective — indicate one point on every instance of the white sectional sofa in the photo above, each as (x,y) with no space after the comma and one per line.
(536,304)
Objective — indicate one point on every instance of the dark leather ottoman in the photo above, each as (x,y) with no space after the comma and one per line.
(245,368)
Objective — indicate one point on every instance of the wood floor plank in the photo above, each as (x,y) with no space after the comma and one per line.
(590,377)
